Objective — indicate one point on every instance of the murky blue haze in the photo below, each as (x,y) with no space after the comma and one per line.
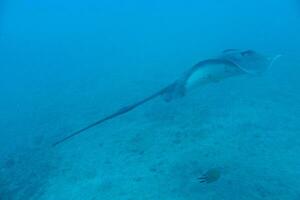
(65,64)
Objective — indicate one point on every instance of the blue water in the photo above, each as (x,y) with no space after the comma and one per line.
(65,64)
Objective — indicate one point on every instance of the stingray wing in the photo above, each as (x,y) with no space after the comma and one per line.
(249,61)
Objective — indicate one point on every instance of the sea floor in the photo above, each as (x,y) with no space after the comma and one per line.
(250,133)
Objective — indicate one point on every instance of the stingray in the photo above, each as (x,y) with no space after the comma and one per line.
(230,63)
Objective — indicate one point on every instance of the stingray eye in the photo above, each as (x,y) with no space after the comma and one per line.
(247,53)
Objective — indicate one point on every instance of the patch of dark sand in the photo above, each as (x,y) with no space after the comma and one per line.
(24,175)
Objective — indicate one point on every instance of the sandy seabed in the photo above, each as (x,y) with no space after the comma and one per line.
(250,133)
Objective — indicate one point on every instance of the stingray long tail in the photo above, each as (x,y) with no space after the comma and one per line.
(121,111)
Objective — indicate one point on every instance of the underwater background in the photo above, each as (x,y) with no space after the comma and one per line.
(65,64)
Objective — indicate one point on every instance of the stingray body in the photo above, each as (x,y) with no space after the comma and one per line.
(230,63)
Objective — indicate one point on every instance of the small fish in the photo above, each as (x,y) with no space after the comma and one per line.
(212,175)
